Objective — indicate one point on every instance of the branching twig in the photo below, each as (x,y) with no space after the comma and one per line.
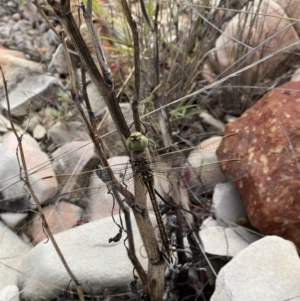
(62,10)
(98,146)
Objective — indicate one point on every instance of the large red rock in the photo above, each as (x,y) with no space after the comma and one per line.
(271,193)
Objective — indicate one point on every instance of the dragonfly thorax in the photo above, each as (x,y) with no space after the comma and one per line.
(142,168)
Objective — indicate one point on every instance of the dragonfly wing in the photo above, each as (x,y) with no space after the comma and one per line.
(204,178)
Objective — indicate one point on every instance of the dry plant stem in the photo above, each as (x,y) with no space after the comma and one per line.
(40,210)
(98,146)
(87,14)
(62,10)
(156,266)
(40,10)
(137,65)
(161,114)
(87,101)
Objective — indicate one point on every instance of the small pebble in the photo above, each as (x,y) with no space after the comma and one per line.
(16,17)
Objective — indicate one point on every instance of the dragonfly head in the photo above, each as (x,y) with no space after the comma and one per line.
(137,142)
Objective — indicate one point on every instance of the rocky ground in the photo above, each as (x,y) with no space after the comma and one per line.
(249,232)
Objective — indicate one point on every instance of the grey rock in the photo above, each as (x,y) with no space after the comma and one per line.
(31,94)
(267,270)
(16,67)
(99,265)
(61,132)
(74,158)
(13,195)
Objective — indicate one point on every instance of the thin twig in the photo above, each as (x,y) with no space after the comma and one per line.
(40,210)
(137,77)
(99,149)
(87,14)
(62,10)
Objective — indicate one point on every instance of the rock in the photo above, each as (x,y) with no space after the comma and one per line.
(226,241)
(59,60)
(74,157)
(91,258)
(13,196)
(62,132)
(268,20)
(13,219)
(60,217)
(113,145)
(39,132)
(101,202)
(292,9)
(271,192)
(31,122)
(296,76)
(203,170)
(9,293)
(30,94)
(268,270)
(96,99)
(74,163)
(5,125)
(228,205)
(210,120)
(12,252)
(197,156)
(16,67)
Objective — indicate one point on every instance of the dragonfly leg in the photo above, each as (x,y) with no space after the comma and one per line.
(137,208)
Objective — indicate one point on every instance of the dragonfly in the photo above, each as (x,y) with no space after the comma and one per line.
(196,167)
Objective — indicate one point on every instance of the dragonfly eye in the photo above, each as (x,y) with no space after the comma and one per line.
(137,142)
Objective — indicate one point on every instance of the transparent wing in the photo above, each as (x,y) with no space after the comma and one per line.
(196,167)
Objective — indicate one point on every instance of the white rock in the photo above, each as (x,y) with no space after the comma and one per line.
(5,125)
(97,263)
(228,204)
(203,154)
(39,132)
(12,189)
(96,99)
(12,251)
(267,270)
(101,204)
(209,119)
(9,293)
(226,241)
(13,219)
